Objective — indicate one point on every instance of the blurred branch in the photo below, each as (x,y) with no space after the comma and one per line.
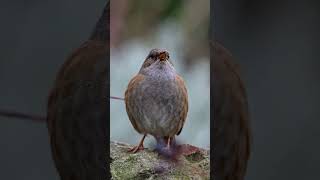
(19,115)
(36,118)
(119,10)
(118,98)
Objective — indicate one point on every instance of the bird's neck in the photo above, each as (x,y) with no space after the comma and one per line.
(159,72)
(102,29)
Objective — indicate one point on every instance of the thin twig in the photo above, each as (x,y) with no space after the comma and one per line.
(36,118)
(19,115)
(118,98)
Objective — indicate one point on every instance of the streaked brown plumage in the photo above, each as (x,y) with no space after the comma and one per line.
(77,109)
(156,99)
(232,136)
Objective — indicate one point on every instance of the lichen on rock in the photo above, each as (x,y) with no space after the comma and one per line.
(194,163)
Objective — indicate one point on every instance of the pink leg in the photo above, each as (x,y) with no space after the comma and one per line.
(139,147)
(168,143)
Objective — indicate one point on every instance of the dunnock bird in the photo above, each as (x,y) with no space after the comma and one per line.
(77,109)
(156,100)
(231,133)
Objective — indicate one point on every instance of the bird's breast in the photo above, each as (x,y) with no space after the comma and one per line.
(158,105)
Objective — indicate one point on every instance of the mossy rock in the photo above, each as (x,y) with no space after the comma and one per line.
(148,164)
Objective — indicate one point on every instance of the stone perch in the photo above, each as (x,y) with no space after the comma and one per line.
(194,163)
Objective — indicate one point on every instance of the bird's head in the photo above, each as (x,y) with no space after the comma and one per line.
(157,59)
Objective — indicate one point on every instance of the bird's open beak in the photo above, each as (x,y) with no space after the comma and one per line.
(163,56)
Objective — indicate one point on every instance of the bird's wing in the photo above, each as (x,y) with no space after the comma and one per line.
(77,112)
(184,96)
(231,118)
(134,82)
(77,108)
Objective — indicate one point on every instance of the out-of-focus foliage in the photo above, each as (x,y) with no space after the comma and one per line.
(142,18)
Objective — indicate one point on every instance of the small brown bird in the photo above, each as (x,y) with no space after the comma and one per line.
(231,133)
(77,109)
(156,100)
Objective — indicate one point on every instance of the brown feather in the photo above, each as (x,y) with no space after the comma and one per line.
(232,135)
(131,86)
(76,113)
(184,112)
(77,109)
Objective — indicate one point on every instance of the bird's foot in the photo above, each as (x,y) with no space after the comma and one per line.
(136,149)
(167,148)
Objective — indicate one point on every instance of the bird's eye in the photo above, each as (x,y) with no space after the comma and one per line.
(148,62)
(152,56)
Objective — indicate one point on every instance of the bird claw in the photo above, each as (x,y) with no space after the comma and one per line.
(136,149)
(167,148)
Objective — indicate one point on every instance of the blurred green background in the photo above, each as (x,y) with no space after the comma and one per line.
(181,27)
